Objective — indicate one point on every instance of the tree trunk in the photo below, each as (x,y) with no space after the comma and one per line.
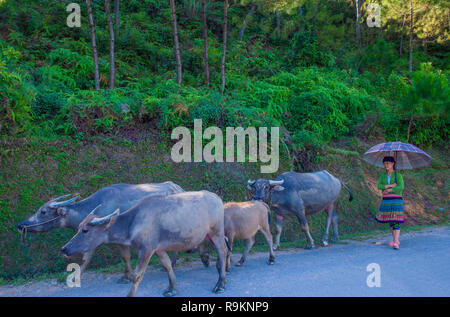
(358,23)
(401,35)
(112,66)
(411,35)
(94,45)
(247,17)
(409,128)
(277,14)
(205,42)
(224,49)
(381,25)
(116,17)
(176,42)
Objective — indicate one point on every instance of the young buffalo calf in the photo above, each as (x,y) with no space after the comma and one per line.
(242,221)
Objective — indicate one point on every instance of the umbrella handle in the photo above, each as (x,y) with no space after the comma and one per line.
(395,170)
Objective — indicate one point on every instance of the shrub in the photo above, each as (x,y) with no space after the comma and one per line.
(16,93)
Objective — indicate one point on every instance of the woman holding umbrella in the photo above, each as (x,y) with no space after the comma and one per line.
(391,208)
(393,156)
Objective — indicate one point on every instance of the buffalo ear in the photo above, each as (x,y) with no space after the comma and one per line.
(111,221)
(278,188)
(61,211)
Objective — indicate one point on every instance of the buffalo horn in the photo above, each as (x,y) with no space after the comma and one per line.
(56,204)
(99,221)
(273,183)
(88,217)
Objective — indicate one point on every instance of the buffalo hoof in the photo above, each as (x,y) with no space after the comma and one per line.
(219,289)
(170,292)
(205,260)
(124,280)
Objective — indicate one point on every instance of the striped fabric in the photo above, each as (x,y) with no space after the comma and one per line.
(406,155)
(391,209)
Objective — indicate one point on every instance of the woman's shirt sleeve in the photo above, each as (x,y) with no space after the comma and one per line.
(400,185)
(380,184)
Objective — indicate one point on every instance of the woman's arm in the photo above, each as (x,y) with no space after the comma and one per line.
(400,184)
(380,184)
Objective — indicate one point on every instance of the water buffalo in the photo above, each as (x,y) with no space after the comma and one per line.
(158,224)
(69,214)
(301,194)
(242,220)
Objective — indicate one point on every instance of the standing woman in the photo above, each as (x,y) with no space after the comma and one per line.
(391,208)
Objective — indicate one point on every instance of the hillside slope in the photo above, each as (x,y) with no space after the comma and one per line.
(34,170)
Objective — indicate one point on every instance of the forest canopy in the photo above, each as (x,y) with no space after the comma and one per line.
(314,68)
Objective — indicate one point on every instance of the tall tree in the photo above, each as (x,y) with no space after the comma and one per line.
(94,45)
(224,48)
(205,42)
(358,4)
(411,8)
(277,15)
(246,20)
(176,42)
(112,66)
(401,34)
(116,17)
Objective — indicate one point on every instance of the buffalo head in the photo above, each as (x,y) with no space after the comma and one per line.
(262,188)
(92,232)
(50,215)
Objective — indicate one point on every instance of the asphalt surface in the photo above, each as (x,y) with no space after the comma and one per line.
(420,268)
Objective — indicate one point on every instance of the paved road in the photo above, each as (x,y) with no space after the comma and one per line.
(420,268)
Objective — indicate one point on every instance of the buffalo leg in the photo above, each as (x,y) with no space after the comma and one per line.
(229,254)
(173,259)
(138,275)
(329,211)
(279,225)
(167,264)
(125,253)
(266,232)
(335,226)
(219,243)
(204,254)
(305,228)
(248,246)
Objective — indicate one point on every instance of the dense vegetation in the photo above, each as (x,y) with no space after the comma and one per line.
(312,67)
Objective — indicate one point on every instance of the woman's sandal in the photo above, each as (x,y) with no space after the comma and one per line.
(391,244)
(396,246)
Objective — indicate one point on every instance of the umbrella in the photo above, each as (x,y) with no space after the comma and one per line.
(407,156)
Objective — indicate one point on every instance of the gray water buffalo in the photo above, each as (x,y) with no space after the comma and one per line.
(242,220)
(69,214)
(158,224)
(301,194)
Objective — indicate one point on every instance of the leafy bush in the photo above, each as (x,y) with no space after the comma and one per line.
(16,93)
